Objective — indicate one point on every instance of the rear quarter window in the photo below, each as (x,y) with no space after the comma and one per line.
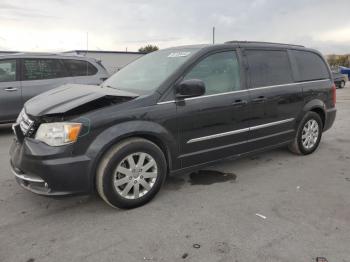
(269,67)
(79,67)
(310,66)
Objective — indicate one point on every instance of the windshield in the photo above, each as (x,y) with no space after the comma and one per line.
(147,73)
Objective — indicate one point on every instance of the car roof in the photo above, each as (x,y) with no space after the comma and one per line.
(45,55)
(246,44)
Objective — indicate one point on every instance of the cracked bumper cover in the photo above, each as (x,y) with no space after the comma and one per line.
(50,171)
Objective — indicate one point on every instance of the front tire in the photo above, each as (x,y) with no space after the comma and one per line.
(131,173)
(308,135)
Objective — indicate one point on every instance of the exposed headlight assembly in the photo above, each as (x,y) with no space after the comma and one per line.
(58,134)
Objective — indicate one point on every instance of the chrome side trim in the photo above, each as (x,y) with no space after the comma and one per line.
(239,131)
(26,177)
(245,90)
(236,144)
(217,135)
(272,124)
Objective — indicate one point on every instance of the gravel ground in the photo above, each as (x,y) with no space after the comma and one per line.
(274,206)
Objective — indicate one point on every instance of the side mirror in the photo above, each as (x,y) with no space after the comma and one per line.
(190,88)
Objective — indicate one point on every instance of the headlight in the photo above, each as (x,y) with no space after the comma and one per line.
(58,134)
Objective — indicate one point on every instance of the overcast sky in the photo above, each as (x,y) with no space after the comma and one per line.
(57,25)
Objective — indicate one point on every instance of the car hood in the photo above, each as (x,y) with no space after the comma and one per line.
(68,97)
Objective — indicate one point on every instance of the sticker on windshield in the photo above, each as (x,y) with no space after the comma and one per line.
(179,54)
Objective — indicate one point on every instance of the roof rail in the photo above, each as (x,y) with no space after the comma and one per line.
(36,53)
(258,42)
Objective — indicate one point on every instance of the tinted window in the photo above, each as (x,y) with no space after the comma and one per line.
(219,72)
(36,69)
(79,67)
(268,68)
(310,66)
(7,70)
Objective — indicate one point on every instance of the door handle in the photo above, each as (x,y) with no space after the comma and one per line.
(10,89)
(259,99)
(239,102)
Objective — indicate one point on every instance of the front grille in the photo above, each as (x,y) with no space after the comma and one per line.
(25,123)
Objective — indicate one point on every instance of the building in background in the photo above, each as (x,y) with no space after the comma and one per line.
(7,52)
(113,61)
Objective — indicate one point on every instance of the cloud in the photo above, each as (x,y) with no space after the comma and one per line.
(117,24)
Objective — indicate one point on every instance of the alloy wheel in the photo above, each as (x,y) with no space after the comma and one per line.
(310,134)
(135,175)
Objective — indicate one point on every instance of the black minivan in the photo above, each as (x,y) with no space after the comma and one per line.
(169,112)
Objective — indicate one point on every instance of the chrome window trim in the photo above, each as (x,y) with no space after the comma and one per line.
(166,102)
(237,131)
(245,90)
(291,84)
(219,94)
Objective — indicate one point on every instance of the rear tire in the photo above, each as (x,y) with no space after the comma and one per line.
(342,84)
(308,135)
(131,173)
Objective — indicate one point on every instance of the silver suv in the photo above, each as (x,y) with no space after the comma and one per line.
(25,75)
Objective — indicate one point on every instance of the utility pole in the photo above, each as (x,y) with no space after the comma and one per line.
(87,50)
(213,34)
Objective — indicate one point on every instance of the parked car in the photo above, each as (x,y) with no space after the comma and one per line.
(339,79)
(25,75)
(172,111)
(344,70)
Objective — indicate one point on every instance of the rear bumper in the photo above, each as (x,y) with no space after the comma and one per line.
(49,171)
(330,117)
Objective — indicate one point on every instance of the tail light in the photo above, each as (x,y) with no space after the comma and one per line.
(334,95)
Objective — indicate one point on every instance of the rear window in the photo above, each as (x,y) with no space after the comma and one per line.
(79,67)
(310,66)
(37,69)
(268,67)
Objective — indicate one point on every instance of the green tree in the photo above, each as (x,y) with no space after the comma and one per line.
(339,60)
(148,48)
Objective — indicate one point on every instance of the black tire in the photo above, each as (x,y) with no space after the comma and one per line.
(110,161)
(297,146)
(342,84)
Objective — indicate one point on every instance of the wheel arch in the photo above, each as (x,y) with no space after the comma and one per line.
(317,106)
(141,129)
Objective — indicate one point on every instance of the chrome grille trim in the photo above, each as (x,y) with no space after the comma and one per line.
(25,122)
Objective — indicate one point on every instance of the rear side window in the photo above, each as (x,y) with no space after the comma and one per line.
(267,68)
(310,66)
(79,67)
(37,69)
(7,70)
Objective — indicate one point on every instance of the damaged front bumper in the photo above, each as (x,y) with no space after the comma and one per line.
(49,171)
